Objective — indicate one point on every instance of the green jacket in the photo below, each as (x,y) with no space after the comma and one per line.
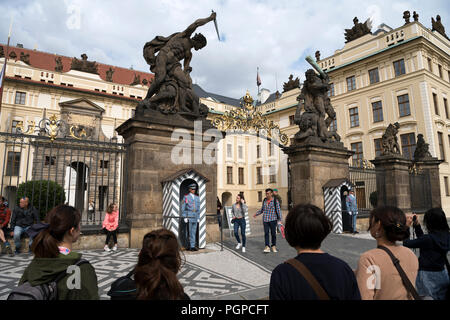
(44,270)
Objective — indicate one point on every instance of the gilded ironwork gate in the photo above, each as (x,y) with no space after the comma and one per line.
(62,164)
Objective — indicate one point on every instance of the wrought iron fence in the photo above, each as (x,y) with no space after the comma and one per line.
(84,173)
(364,178)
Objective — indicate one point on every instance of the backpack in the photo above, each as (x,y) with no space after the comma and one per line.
(45,291)
(124,288)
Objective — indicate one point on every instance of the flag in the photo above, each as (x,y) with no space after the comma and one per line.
(258,79)
(2,75)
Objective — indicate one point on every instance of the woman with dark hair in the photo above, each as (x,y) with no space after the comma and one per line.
(157,268)
(110,225)
(313,274)
(52,248)
(238,211)
(432,279)
(378,278)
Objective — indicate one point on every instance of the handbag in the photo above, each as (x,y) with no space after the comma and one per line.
(308,276)
(406,282)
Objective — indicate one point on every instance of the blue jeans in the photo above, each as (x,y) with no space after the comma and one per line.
(192,233)
(272,226)
(240,223)
(432,283)
(354,221)
(17,234)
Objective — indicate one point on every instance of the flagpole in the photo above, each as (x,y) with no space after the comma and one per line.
(6,62)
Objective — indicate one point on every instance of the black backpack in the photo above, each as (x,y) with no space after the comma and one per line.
(46,291)
(274,204)
(124,288)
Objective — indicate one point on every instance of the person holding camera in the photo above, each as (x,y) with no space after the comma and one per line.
(238,211)
(432,278)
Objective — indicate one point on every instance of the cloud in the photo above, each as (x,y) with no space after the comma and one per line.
(272,35)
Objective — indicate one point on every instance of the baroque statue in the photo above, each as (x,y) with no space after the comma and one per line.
(389,142)
(109,74)
(2,53)
(436,25)
(422,147)
(171,90)
(314,100)
(84,65)
(407,16)
(415,16)
(59,64)
(358,30)
(291,84)
(137,80)
(25,57)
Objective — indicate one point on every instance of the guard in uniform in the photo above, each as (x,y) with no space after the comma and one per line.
(190,211)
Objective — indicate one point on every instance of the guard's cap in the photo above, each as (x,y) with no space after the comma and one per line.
(275,190)
(193,186)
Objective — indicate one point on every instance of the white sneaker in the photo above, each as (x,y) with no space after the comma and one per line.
(266,249)
(274,249)
(243,249)
(107,249)
(114,248)
(238,246)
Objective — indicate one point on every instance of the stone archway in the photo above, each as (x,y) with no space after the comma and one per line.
(227,199)
(76,184)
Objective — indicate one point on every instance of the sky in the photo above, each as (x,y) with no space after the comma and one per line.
(275,36)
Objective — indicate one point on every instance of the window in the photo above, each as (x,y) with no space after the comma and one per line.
(14,125)
(333,125)
(20,97)
(259,179)
(351,83)
(378,147)
(241,175)
(377,110)
(13,166)
(259,196)
(291,120)
(50,160)
(408,145)
(104,164)
(354,117)
(258,151)
(331,91)
(440,70)
(446,108)
(273,175)
(358,155)
(229,151)
(403,105)
(374,76)
(270,149)
(430,65)
(399,67)
(241,152)
(229,175)
(441,146)
(447,193)
(435,103)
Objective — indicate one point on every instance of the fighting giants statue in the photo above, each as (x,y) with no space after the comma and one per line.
(389,141)
(314,100)
(171,90)
(422,149)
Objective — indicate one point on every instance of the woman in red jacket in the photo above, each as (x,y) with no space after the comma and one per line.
(110,225)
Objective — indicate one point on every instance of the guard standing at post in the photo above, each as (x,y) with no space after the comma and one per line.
(190,210)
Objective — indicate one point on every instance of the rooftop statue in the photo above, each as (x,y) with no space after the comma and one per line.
(84,65)
(436,25)
(291,84)
(358,30)
(171,90)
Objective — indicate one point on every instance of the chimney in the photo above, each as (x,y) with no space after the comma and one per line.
(19,45)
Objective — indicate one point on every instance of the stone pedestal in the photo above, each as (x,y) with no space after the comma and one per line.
(430,166)
(313,163)
(393,187)
(152,156)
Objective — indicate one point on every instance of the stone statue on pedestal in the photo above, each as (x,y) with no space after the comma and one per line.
(314,100)
(422,147)
(389,141)
(171,90)
(436,25)
(358,30)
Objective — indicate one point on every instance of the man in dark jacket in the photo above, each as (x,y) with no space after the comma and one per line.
(23,217)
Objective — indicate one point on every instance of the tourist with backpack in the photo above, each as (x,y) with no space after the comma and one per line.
(432,278)
(110,225)
(271,212)
(51,275)
(312,274)
(155,275)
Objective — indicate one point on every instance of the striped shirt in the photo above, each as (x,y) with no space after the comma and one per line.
(268,211)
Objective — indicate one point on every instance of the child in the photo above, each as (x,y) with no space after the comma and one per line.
(110,224)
